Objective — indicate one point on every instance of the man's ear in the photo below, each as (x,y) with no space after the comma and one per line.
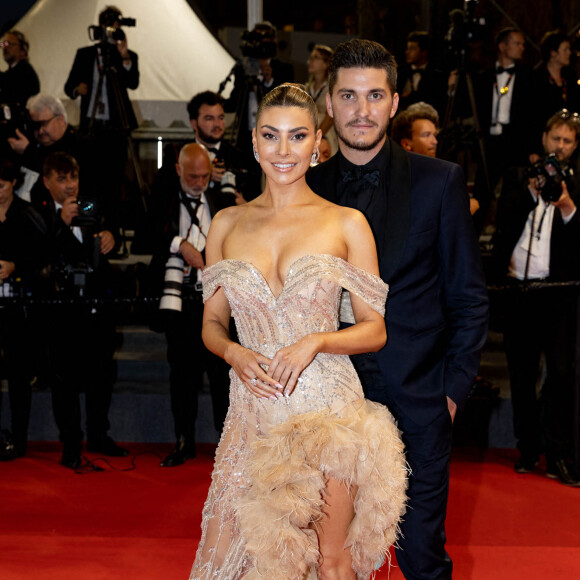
(406,144)
(329,105)
(395,105)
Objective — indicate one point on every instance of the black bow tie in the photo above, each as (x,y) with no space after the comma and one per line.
(371,176)
(510,70)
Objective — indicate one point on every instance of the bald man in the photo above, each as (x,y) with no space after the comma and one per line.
(183,220)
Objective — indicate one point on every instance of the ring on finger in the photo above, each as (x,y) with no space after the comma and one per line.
(253,381)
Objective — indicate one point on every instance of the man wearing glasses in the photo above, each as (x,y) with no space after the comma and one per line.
(51,131)
(20,81)
(537,240)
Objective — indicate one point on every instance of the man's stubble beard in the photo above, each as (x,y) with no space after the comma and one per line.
(209,139)
(361,146)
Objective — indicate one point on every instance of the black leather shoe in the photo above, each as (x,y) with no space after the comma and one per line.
(180,454)
(106,446)
(71,455)
(525,464)
(559,469)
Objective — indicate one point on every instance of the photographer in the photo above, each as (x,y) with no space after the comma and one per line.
(183,216)
(537,239)
(20,239)
(82,335)
(98,71)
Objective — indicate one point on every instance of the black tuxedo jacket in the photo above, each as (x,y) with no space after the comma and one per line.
(521,104)
(437,308)
(515,205)
(82,72)
(432,88)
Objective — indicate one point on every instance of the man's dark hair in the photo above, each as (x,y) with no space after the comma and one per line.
(357,53)
(402,127)
(22,42)
(551,41)
(205,98)
(9,171)
(422,38)
(109,15)
(564,117)
(61,163)
(504,35)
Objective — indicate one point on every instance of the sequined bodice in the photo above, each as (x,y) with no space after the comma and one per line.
(308,303)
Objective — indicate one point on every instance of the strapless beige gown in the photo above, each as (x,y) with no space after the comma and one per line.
(267,489)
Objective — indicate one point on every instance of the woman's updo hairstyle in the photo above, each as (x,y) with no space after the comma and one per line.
(289,95)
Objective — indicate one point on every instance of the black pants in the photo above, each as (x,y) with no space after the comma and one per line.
(420,551)
(188,360)
(81,344)
(15,365)
(536,322)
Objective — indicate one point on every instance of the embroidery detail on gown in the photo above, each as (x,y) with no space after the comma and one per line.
(273,457)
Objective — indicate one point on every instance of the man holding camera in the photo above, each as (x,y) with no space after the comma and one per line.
(82,335)
(101,75)
(537,240)
(183,218)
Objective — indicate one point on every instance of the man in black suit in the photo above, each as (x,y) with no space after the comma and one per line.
(81,335)
(436,316)
(537,238)
(183,216)
(420,80)
(20,81)
(505,111)
(101,75)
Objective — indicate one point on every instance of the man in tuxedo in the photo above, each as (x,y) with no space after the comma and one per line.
(505,111)
(20,81)
(183,217)
(538,233)
(81,338)
(436,316)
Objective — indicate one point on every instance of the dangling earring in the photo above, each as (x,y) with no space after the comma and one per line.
(314,158)
(256,154)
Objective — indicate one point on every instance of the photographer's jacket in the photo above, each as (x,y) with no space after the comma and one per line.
(515,204)
(83,71)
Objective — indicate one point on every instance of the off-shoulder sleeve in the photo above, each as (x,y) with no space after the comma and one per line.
(212,279)
(366,286)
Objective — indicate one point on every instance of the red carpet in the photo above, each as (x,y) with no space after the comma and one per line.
(120,525)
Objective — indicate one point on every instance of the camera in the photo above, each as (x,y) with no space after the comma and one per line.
(14,116)
(88,214)
(550,173)
(173,284)
(465,28)
(110,33)
(259,43)
(228,183)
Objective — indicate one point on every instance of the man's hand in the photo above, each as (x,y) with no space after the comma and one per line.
(191,255)
(18,143)
(473,205)
(6,269)
(123,49)
(565,203)
(107,241)
(239,198)
(70,210)
(452,408)
(217,171)
(82,89)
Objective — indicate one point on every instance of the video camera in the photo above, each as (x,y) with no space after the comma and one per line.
(88,214)
(259,42)
(550,172)
(465,28)
(110,33)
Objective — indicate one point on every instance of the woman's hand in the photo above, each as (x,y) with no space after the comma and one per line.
(247,365)
(289,362)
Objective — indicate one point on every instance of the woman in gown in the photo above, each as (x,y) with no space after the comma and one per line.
(310,478)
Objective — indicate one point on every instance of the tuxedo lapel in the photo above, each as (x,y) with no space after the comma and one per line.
(398,211)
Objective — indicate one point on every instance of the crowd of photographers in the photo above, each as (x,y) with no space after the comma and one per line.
(54,250)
